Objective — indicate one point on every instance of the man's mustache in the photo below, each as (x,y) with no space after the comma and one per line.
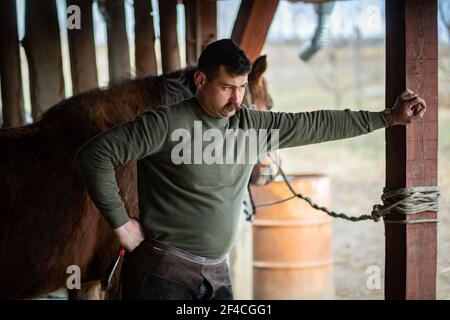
(230,106)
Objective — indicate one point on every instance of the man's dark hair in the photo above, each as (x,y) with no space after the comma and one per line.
(225,53)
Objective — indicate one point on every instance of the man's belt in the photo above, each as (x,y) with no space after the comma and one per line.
(181,253)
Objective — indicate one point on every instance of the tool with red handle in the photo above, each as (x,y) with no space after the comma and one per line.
(106,281)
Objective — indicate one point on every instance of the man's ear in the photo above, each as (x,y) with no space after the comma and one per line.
(259,67)
(199,79)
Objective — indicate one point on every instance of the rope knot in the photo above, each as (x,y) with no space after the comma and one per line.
(377,212)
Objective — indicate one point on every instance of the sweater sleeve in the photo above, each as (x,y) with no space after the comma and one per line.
(127,142)
(302,128)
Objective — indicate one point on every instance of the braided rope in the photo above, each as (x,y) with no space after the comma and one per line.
(403,200)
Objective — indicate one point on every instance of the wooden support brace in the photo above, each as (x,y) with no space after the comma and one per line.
(252,25)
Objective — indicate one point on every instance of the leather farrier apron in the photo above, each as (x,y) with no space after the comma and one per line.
(155,270)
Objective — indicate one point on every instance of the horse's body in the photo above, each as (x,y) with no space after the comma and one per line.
(47,221)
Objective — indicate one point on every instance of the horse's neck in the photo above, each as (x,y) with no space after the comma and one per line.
(127,100)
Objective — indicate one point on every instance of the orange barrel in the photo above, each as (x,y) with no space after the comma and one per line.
(292,252)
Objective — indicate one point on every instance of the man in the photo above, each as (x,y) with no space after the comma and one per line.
(190,194)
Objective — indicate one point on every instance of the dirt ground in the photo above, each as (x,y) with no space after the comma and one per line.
(355,166)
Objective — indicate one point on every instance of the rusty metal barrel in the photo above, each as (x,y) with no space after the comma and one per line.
(292,249)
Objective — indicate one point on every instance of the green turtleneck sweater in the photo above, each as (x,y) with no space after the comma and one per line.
(190,195)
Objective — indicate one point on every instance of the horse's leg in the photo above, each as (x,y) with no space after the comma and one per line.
(89,291)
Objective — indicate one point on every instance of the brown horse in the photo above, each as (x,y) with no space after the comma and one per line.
(47,221)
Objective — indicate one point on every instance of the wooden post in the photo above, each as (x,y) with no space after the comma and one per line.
(144,38)
(208,25)
(118,50)
(192,19)
(411,151)
(201,27)
(43,49)
(82,49)
(252,25)
(170,53)
(11,78)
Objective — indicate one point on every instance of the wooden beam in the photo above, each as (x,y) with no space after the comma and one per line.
(252,25)
(144,38)
(83,65)
(201,27)
(118,50)
(11,78)
(43,49)
(411,151)
(170,52)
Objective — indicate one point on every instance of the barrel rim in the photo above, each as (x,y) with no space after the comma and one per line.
(305,176)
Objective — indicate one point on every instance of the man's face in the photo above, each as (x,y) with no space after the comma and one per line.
(223,95)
